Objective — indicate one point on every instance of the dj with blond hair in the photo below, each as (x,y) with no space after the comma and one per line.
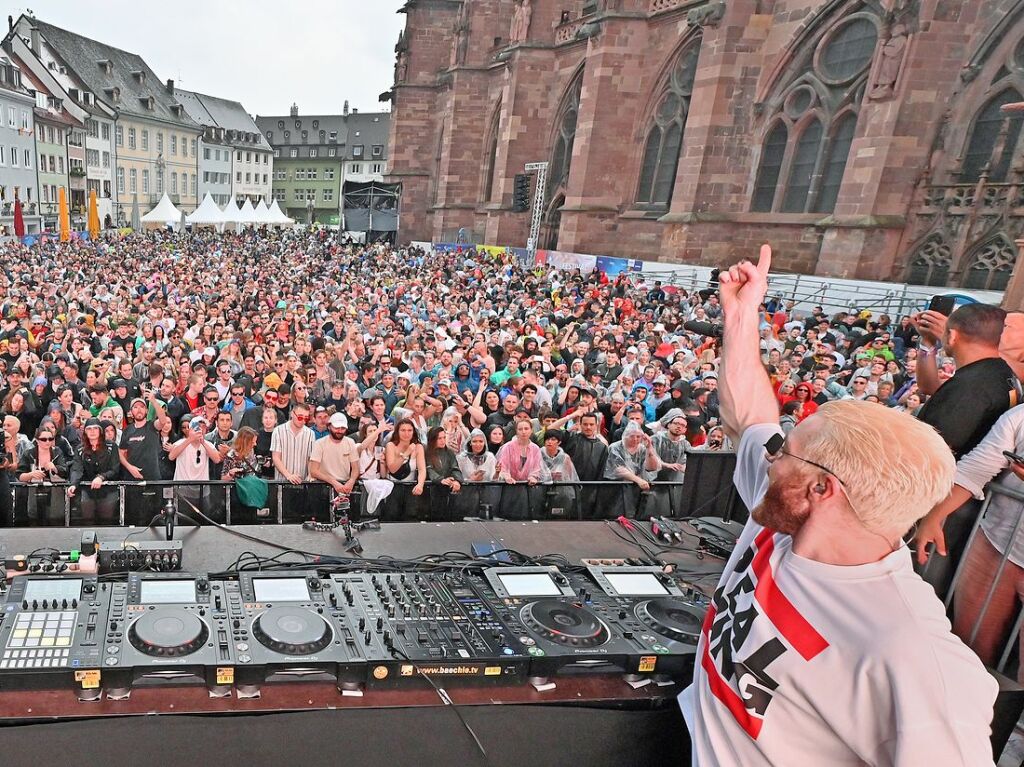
(822,645)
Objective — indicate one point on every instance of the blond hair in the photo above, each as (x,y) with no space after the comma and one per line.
(894,467)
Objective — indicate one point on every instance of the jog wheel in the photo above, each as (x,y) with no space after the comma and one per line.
(674,619)
(292,631)
(168,633)
(565,623)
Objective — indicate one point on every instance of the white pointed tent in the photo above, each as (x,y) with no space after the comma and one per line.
(164,214)
(278,216)
(262,214)
(247,214)
(207,214)
(231,214)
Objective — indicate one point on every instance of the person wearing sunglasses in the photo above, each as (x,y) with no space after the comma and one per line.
(44,462)
(823,646)
(291,445)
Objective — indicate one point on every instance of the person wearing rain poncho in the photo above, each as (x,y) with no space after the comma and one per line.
(634,463)
(521,467)
(670,445)
(559,466)
(478,464)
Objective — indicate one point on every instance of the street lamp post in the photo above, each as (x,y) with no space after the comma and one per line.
(309,209)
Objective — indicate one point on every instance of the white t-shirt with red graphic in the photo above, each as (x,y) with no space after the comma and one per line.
(803,663)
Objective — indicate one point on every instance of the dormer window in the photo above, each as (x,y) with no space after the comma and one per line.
(107,66)
(139,75)
(114,94)
(148,102)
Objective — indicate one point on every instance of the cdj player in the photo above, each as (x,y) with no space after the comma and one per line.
(630,620)
(164,629)
(51,632)
(293,627)
(433,625)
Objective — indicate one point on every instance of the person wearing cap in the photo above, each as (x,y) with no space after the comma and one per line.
(193,457)
(321,415)
(334,460)
(139,454)
(561,499)
(671,446)
(98,464)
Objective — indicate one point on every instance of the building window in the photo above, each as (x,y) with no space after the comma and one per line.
(195,144)
(193,185)
(60,163)
(332,152)
(930,263)
(145,140)
(131,138)
(238,177)
(206,153)
(312,174)
(24,120)
(3,156)
(561,158)
(814,120)
(93,128)
(28,160)
(329,174)
(174,181)
(105,131)
(174,145)
(248,178)
(293,153)
(159,142)
(14,157)
(106,159)
(133,180)
(300,174)
(206,177)
(92,157)
(328,195)
(248,156)
(357,150)
(665,139)
(377,168)
(312,152)
(357,168)
(159,182)
(145,182)
(42,161)
(378,150)
(300,195)
(119,135)
(991,265)
(120,180)
(985,131)
(264,179)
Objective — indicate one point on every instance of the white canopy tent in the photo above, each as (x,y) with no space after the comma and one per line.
(207,214)
(164,214)
(231,217)
(246,214)
(262,214)
(278,217)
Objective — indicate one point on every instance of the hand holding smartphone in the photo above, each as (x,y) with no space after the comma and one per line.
(1014,458)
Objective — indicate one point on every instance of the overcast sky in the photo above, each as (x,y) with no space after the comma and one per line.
(264,54)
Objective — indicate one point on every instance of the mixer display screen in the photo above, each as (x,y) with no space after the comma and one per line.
(636,584)
(280,589)
(160,592)
(529,585)
(55,590)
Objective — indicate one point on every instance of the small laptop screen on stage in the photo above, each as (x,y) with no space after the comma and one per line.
(636,584)
(529,585)
(280,589)
(162,592)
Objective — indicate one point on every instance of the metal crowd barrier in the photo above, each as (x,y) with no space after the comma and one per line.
(47,504)
(1010,700)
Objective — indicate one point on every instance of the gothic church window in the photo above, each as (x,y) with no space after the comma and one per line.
(665,136)
(813,120)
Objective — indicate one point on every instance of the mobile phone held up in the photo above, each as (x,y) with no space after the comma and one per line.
(944,305)
(1014,458)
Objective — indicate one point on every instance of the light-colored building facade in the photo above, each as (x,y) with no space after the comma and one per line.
(93,145)
(235,159)
(17,149)
(366,157)
(156,143)
(51,161)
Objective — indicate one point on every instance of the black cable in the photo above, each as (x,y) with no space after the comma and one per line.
(447,702)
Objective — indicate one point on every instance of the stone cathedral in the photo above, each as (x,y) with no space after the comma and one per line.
(863,138)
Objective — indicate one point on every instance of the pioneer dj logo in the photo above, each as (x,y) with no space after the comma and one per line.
(751,598)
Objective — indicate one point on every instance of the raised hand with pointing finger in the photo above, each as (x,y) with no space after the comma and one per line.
(743,286)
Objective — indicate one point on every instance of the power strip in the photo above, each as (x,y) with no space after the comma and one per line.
(130,556)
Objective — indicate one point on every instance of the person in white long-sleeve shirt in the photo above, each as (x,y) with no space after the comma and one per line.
(823,647)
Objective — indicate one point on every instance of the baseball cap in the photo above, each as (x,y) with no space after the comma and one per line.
(339,421)
(197,420)
(137,399)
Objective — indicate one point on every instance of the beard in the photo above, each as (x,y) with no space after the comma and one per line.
(782,509)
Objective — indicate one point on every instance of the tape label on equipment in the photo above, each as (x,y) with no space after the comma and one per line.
(492,671)
(225,675)
(90,678)
(381,672)
(647,664)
